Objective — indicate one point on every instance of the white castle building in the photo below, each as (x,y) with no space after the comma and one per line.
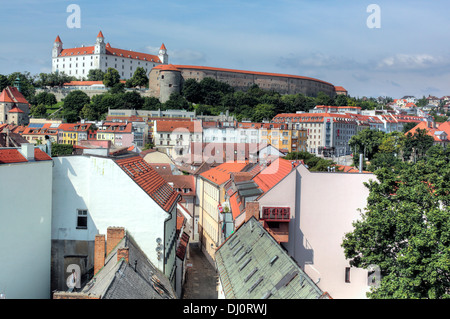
(78,61)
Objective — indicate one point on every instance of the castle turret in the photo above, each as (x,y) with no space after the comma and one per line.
(163,54)
(100,46)
(57,47)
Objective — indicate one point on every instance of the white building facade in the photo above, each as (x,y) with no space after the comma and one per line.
(25,227)
(92,193)
(321,213)
(78,61)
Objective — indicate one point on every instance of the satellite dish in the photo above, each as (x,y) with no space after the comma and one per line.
(158,240)
(158,248)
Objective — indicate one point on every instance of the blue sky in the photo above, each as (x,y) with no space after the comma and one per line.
(329,40)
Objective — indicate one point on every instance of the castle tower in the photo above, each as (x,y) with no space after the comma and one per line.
(57,47)
(100,46)
(163,54)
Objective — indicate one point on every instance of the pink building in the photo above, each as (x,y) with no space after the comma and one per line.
(309,214)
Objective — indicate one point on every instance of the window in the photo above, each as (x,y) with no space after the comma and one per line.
(81,218)
(347,274)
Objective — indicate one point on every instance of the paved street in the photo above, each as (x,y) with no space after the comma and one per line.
(201,278)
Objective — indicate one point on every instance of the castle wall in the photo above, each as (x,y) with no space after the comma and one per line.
(284,84)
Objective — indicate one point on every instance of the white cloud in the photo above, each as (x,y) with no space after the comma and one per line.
(412,62)
(181,56)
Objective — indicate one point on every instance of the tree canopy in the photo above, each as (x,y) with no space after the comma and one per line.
(405,228)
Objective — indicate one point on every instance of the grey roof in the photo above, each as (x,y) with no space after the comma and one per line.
(120,280)
(252,265)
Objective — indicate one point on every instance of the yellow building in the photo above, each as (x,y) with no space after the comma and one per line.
(211,195)
(72,133)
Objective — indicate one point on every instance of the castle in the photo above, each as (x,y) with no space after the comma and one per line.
(78,61)
(165,78)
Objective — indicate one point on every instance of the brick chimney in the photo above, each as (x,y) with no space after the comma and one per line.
(114,236)
(99,252)
(251,209)
(123,253)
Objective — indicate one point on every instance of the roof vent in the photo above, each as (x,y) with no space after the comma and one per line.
(273,260)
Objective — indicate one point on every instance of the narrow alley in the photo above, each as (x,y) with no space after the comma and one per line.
(201,277)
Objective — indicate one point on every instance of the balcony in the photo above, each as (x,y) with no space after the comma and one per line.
(276,214)
(276,222)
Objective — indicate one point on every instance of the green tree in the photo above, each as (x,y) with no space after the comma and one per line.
(324,99)
(404,229)
(38,111)
(341,100)
(88,113)
(191,90)
(314,163)
(61,149)
(27,85)
(95,75)
(366,142)
(3,82)
(408,126)
(73,103)
(140,78)
(263,112)
(151,103)
(176,101)
(111,78)
(416,145)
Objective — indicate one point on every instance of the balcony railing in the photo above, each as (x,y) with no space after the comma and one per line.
(276,213)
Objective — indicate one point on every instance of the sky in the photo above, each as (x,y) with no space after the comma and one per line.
(399,48)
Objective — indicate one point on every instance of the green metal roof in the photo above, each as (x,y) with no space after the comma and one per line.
(252,265)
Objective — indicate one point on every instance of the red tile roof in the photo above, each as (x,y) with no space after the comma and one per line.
(444,127)
(115,127)
(163,47)
(273,174)
(339,89)
(74,127)
(220,174)
(182,182)
(170,126)
(111,51)
(16,110)
(235,209)
(8,156)
(248,72)
(149,180)
(12,155)
(166,67)
(58,39)
(11,94)
(100,35)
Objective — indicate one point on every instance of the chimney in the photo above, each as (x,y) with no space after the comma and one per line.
(114,236)
(251,209)
(27,150)
(99,252)
(123,253)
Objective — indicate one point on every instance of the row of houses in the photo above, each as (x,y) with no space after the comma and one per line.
(305,213)
(119,134)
